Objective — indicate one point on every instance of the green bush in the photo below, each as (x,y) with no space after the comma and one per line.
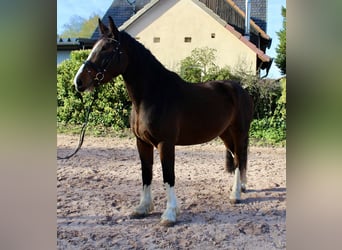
(111,109)
(269,124)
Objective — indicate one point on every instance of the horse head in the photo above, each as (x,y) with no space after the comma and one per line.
(105,61)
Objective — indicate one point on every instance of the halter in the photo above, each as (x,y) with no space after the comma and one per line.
(100,71)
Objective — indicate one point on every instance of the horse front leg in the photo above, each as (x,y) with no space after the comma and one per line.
(167,158)
(146,157)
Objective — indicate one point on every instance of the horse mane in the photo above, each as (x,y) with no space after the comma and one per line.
(144,57)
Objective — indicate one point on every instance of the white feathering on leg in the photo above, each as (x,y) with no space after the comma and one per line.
(170,214)
(236,190)
(146,203)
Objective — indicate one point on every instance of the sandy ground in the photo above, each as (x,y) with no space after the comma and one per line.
(99,187)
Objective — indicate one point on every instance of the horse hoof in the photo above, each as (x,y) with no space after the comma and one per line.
(243,188)
(136,215)
(235,201)
(141,211)
(167,223)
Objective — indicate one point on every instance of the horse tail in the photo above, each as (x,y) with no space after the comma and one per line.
(238,158)
(238,135)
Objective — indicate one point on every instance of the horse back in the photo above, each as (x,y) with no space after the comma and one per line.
(243,103)
(238,102)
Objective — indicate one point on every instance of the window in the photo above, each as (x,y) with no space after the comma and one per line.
(187,39)
(156,39)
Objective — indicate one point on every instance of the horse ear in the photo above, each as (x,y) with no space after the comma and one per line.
(103,29)
(113,27)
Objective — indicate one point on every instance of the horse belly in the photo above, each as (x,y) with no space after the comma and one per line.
(206,112)
(196,131)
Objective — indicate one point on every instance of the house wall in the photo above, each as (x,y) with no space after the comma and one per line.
(172,21)
(62,55)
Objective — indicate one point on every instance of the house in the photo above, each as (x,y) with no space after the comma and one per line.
(233,12)
(172,29)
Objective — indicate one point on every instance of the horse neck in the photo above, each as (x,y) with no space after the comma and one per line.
(142,72)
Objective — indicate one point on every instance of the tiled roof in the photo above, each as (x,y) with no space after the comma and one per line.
(261,55)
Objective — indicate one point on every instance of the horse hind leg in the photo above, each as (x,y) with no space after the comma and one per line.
(235,194)
(236,158)
(146,203)
(240,178)
(229,143)
(243,163)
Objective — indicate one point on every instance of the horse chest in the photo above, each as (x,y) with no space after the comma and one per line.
(144,125)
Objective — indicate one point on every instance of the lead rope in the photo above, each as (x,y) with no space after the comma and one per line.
(84,126)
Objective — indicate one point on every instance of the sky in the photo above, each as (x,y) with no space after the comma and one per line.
(85,8)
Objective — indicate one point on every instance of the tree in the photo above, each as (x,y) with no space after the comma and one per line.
(198,64)
(89,26)
(80,27)
(280,60)
(73,28)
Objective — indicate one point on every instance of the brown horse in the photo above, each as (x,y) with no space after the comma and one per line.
(167,111)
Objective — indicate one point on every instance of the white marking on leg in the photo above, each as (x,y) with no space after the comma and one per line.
(146,203)
(170,214)
(235,195)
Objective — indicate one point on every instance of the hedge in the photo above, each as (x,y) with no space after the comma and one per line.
(111,109)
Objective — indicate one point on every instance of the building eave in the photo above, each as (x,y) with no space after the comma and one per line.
(75,43)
